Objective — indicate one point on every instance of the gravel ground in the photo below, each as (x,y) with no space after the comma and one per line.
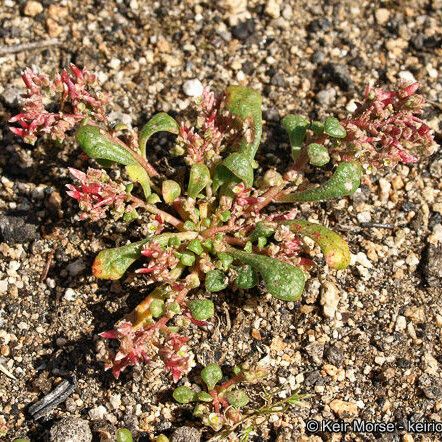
(376,355)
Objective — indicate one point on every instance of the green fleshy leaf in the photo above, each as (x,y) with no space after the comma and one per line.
(344,182)
(138,174)
(199,178)
(201,309)
(333,246)
(333,128)
(225,260)
(318,154)
(246,277)
(211,375)
(296,127)
(262,230)
(156,307)
(203,396)
(195,246)
(161,122)
(171,190)
(215,281)
(123,435)
(113,263)
(184,395)
(245,104)
(283,281)
(237,398)
(317,127)
(240,166)
(100,146)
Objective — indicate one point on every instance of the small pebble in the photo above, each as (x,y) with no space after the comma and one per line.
(193,88)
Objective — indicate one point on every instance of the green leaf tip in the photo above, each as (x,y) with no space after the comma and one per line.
(211,375)
(160,122)
(344,182)
(237,398)
(184,395)
(334,248)
(199,178)
(138,174)
(296,126)
(215,281)
(170,190)
(282,280)
(318,154)
(100,146)
(202,309)
(333,128)
(123,435)
(245,104)
(113,263)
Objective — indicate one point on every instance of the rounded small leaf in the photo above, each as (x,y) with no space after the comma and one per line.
(171,190)
(203,396)
(211,375)
(184,395)
(333,128)
(161,438)
(237,398)
(195,246)
(156,307)
(187,259)
(123,435)
(246,277)
(318,154)
(215,281)
(201,309)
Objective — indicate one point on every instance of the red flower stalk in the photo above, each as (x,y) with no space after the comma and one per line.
(73,93)
(386,128)
(96,193)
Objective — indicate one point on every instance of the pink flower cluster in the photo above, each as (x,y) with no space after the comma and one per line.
(175,356)
(75,97)
(204,144)
(160,264)
(386,128)
(138,346)
(132,350)
(96,193)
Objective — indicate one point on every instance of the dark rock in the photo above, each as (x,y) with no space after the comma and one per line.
(431,386)
(71,429)
(185,434)
(318,57)
(432,268)
(243,30)
(248,68)
(278,80)
(313,378)
(15,229)
(337,74)
(421,42)
(333,355)
(318,24)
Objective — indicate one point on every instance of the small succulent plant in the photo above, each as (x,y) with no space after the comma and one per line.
(221,404)
(225,407)
(209,228)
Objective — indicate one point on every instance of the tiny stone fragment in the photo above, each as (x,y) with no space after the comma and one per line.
(185,434)
(71,429)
